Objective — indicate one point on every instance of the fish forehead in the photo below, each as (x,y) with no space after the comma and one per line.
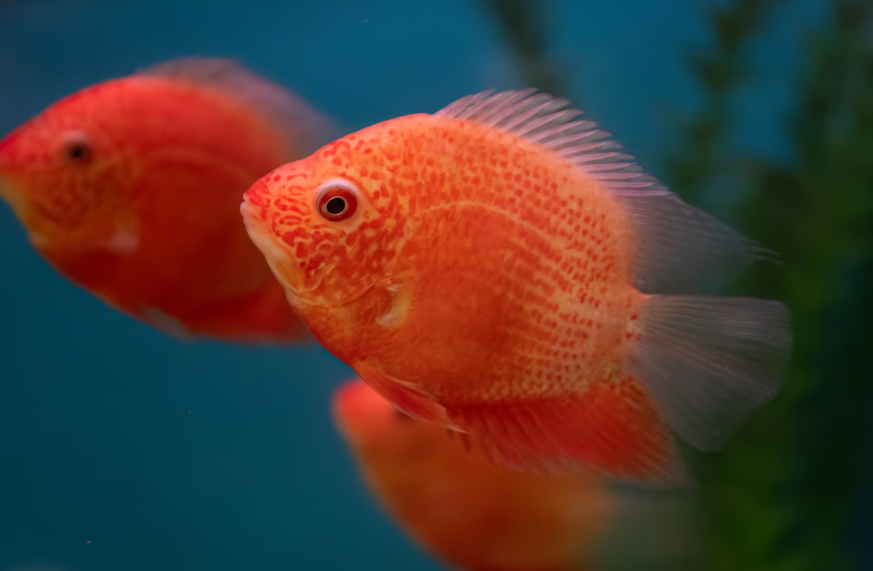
(153,114)
(423,161)
(129,121)
(104,107)
(102,114)
(134,112)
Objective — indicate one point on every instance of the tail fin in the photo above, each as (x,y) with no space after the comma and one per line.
(708,362)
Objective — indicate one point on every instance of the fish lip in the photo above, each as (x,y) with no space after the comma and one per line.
(253,221)
(246,210)
(10,193)
(5,184)
(266,242)
(20,207)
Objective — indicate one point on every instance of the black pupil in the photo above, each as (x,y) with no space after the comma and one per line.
(335,205)
(77,151)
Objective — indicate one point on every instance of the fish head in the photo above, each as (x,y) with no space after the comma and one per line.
(331,225)
(66,177)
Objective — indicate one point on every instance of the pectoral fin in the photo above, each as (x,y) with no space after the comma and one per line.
(406,396)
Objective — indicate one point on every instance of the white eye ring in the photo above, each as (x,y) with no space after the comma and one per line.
(337,200)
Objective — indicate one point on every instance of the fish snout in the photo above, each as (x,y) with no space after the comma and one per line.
(12,195)
(254,211)
(257,200)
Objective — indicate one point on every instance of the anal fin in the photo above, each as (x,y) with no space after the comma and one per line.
(612,429)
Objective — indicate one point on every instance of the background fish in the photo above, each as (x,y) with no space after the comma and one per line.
(130,188)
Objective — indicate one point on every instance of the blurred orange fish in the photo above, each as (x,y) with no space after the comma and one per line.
(502,269)
(131,189)
(457,505)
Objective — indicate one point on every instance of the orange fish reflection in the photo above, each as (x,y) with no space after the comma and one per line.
(458,506)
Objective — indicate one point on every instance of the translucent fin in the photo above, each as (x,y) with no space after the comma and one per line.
(709,361)
(404,396)
(681,249)
(304,129)
(612,429)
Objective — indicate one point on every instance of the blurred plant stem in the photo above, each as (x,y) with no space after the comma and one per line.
(525,27)
(720,72)
(781,497)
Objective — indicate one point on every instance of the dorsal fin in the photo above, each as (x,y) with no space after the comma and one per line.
(304,129)
(680,249)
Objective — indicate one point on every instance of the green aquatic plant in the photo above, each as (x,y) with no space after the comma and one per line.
(781,497)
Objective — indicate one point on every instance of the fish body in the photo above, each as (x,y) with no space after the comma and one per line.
(458,506)
(501,270)
(130,188)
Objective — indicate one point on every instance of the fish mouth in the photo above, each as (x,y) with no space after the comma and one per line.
(263,240)
(20,206)
(14,198)
(281,264)
(284,266)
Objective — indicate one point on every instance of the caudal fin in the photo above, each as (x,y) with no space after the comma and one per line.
(707,362)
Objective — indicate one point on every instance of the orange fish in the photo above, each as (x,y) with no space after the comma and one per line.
(131,189)
(457,505)
(505,270)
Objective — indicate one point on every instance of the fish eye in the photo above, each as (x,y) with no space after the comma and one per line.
(337,200)
(77,148)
